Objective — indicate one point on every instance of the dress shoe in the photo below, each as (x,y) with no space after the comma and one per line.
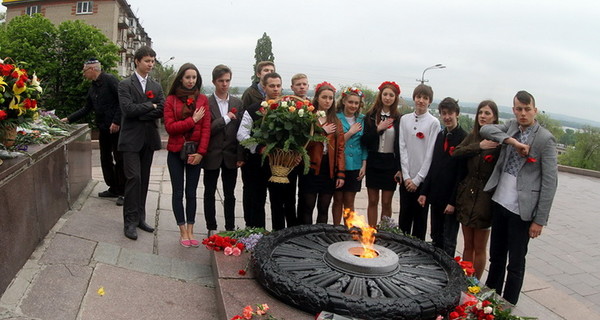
(130,232)
(120,201)
(107,194)
(144,226)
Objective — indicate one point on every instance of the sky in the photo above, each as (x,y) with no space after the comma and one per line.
(491,49)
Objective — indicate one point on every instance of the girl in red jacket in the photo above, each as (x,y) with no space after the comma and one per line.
(186,119)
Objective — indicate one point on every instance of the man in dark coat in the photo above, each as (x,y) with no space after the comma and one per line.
(103,99)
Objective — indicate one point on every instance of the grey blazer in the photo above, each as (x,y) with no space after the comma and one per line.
(139,119)
(223,145)
(537,179)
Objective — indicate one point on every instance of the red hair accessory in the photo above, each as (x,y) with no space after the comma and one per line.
(390,83)
(351,91)
(324,84)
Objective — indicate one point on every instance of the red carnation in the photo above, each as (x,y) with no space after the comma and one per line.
(150,94)
(242,272)
(531,160)
(420,135)
(189,101)
(233,110)
(451,151)
(488,158)
(6,69)
(3,115)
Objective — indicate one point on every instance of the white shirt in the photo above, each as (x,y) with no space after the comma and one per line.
(245,130)
(506,193)
(223,108)
(416,153)
(142,80)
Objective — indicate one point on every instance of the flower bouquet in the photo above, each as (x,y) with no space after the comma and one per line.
(19,94)
(286,126)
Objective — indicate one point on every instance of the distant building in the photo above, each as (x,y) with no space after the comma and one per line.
(114,18)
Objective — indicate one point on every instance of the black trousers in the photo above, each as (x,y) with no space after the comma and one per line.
(413,217)
(228,179)
(255,177)
(510,238)
(283,202)
(444,229)
(111,162)
(136,166)
(184,181)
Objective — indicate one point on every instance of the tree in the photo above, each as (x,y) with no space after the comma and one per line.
(368,98)
(586,153)
(164,75)
(569,138)
(550,124)
(56,55)
(263,52)
(465,123)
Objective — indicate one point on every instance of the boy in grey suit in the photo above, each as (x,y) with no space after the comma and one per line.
(524,183)
(142,103)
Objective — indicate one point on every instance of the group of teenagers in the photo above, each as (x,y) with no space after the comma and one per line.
(498,178)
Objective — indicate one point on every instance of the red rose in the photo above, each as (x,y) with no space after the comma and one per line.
(233,110)
(262,110)
(451,151)
(3,115)
(242,272)
(420,135)
(150,94)
(299,104)
(240,245)
(453,315)
(15,74)
(20,83)
(274,106)
(5,69)
(531,160)
(29,103)
(488,158)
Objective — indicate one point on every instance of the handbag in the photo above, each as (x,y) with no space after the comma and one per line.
(189,147)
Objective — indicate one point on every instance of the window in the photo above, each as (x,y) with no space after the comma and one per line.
(31,10)
(84,7)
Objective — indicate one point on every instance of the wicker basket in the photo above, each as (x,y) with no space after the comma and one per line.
(282,163)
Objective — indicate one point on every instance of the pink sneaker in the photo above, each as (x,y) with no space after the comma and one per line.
(194,243)
(185,243)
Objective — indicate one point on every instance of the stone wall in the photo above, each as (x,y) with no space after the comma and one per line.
(35,192)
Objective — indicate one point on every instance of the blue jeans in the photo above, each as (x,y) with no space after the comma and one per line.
(177,167)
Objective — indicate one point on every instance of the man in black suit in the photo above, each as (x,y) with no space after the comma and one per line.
(142,103)
(224,153)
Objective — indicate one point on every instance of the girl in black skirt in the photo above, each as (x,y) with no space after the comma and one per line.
(380,137)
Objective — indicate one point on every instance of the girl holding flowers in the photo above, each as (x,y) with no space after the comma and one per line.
(473,205)
(186,119)
(381,141)
(327,163)
(355,153)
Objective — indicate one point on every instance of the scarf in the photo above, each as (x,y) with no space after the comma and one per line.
(188,96)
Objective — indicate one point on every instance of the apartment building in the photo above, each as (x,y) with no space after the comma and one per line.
(113,17)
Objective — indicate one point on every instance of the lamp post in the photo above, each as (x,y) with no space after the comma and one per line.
(437,66)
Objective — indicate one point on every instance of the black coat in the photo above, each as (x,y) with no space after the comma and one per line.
(103,99)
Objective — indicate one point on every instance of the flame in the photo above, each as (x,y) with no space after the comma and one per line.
(367,233)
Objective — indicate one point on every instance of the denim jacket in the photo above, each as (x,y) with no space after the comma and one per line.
(355,151)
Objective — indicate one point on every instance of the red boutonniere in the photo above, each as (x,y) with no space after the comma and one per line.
(190,101)
(488,158)
(451,151)
(420,135)
(150,94)
(233,110)
(531,160)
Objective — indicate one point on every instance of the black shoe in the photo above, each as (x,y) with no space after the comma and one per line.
(120,201)
(107,194)
(130,232)
(144,226)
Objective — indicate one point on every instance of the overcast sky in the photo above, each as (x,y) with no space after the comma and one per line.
(491,49)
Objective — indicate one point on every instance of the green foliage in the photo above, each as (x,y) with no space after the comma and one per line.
(368,98)
(550,124)
(263,52)
(466,123)
(586,153)
(568,138)
(165,74)
(57,54)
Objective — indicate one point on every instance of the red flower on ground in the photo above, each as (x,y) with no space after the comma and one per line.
(237,317)
(242,272)
(233,110)
(488,158)
(150,94)
(247,312)
(531,160)
(420,135)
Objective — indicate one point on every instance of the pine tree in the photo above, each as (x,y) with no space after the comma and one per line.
(263,52)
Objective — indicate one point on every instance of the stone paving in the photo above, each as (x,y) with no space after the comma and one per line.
(155,278)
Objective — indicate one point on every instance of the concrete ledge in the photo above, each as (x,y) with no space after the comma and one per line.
(579,171)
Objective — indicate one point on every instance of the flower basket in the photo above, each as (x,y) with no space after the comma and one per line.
(281,163)
(8,135)
(285,128)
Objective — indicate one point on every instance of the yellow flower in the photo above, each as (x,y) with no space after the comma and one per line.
(35,83)
(474,289)
(101,291)
(3,84)
(292,109)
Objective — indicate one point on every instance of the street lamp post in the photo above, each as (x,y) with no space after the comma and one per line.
(437,66)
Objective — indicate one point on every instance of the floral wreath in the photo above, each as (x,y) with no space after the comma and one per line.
(326,84)
(390,83)
(352,90)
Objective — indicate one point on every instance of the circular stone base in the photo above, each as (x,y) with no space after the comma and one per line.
(340,255)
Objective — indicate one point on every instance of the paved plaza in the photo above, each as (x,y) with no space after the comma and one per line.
(156,278)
